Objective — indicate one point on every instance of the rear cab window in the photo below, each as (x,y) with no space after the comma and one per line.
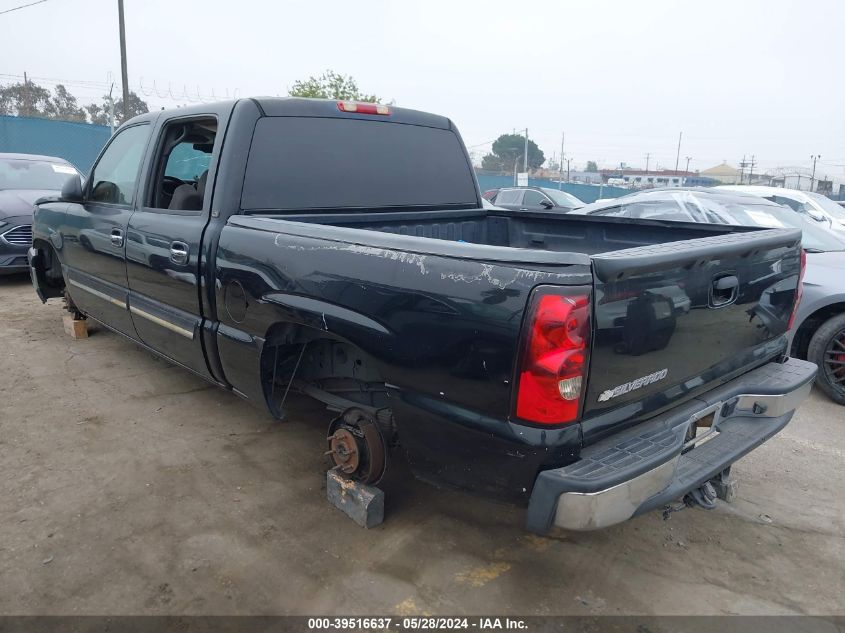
(324,163)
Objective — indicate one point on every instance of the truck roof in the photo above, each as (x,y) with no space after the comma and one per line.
(299,106)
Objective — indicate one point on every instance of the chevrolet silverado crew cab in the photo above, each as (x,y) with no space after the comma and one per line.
(589,368)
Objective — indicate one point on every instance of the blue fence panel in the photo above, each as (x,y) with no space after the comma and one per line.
(77,143)
(587,193)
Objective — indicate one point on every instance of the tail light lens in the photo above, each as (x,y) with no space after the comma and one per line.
(363,108)
(799,291)
(554,355)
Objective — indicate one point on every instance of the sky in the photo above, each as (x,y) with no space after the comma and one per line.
(619,78)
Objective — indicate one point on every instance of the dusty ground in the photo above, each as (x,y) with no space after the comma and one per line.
(128,486)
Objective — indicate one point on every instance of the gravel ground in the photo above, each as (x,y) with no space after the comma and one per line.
(128,486)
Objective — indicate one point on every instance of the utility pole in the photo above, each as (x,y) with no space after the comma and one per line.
(813,177)
(647,157)
(742,169)
(689,158)
(124,74)
(567,169)
(560,171)
(751,169)
(525,161)
(26,95)
(678,155)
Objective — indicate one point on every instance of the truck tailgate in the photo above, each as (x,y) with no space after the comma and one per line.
(675,319)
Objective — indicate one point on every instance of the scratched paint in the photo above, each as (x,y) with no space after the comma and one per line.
(404,257)
(499,277)
(487,274)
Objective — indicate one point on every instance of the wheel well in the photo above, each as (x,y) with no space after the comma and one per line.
(49,272)
(801,340)
(339,374)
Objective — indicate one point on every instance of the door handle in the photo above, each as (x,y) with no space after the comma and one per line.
(179,252)
(117,237)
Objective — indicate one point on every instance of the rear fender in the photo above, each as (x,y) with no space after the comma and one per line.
(293,320)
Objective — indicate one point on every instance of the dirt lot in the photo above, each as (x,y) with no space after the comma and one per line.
(128,486)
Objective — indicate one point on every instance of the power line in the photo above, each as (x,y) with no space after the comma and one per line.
(492,140)
(23,6)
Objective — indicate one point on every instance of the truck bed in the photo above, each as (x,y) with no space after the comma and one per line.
(552,231)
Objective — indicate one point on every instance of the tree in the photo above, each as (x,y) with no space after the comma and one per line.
(30,99)
(99,114)
(591,166)
(64,107)
(330,85)
(509,150)
(24,99)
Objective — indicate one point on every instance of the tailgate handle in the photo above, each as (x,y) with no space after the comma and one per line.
(724,291)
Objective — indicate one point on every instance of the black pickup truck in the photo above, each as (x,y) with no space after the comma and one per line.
(591,368)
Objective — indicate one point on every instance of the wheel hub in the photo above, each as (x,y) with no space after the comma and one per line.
(344,451)
(357,446)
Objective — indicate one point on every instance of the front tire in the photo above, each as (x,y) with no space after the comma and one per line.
(827,350)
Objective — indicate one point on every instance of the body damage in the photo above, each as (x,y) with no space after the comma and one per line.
(442,331)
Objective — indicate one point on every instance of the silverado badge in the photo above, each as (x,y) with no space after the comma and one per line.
(633,385)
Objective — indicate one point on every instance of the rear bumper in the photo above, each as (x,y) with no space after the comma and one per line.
(642,468)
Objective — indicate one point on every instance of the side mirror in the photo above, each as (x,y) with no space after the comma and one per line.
(546,204)
(72,189)
(818,217)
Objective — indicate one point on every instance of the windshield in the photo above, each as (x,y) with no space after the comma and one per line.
(747,211)
(827,205)
(33,174)
(563,199)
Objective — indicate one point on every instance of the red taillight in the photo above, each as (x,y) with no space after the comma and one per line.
(799,291)
(554,357)
(362,108)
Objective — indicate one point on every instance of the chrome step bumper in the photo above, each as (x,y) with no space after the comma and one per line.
(644,468)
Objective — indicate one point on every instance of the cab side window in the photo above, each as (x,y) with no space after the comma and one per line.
(181,165)
(533,198)
(115,175)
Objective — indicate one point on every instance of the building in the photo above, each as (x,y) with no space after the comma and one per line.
(723,173)
(642,179)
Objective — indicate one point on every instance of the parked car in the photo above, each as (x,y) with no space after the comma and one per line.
(818,332)
(489,194)
(318,255)
(815,205)
(23,179)
(535,199)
